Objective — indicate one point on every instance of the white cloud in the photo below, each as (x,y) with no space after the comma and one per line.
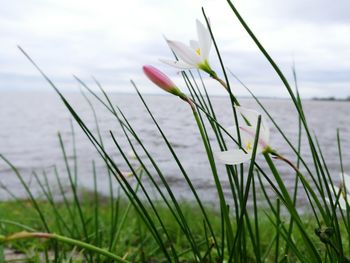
(113,39)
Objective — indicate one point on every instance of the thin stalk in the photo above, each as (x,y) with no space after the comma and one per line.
(231,172)
(179,217)
(188,180)
(342,172)
(63,239)
(233,99)
(74,151)
(216,179)
(58,217)
(14,223)
(289,204)
(207,106)
(114,219)
(256,221)
(109,162)
(296,182)
(73,186)
(96,208)
(124,217)
(271,207)
(29,192)
(148,198)
(66,202)
(243,213)
(278,222)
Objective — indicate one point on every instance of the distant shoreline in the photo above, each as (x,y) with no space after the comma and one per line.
(331,99)
(162,94)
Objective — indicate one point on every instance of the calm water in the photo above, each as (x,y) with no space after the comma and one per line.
(30,122)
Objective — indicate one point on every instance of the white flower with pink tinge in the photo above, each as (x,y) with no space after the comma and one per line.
(247,135)
(195,55)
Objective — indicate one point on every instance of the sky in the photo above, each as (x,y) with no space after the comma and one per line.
(112,39)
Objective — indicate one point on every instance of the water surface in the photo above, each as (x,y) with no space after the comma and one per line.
(30,122)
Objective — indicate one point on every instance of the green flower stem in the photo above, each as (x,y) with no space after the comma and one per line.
(223,204)
(126,213)
(243,213)
(67,240)
(223,83)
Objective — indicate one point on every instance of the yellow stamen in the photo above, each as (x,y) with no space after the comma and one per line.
(198,51)
(248,146)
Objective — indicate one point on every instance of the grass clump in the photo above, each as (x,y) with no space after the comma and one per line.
(135,226)
(134,242)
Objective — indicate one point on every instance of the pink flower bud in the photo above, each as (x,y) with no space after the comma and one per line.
(160,79)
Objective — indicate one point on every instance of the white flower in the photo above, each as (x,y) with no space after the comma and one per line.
(344,190)
(195,55)
(247,135)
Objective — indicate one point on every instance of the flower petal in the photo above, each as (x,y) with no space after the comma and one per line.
(194,44)
(204,40)
(250,132)
(232,130)
(233,157)
(159,78)
(185,53)
(245,137)
(252,117)
(177,64)
(342,202)
(248,114)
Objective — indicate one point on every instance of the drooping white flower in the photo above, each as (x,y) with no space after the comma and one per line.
(344,191)
(247,135)
(195,55)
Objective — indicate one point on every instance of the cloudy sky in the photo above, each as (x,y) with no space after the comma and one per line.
(112,39)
